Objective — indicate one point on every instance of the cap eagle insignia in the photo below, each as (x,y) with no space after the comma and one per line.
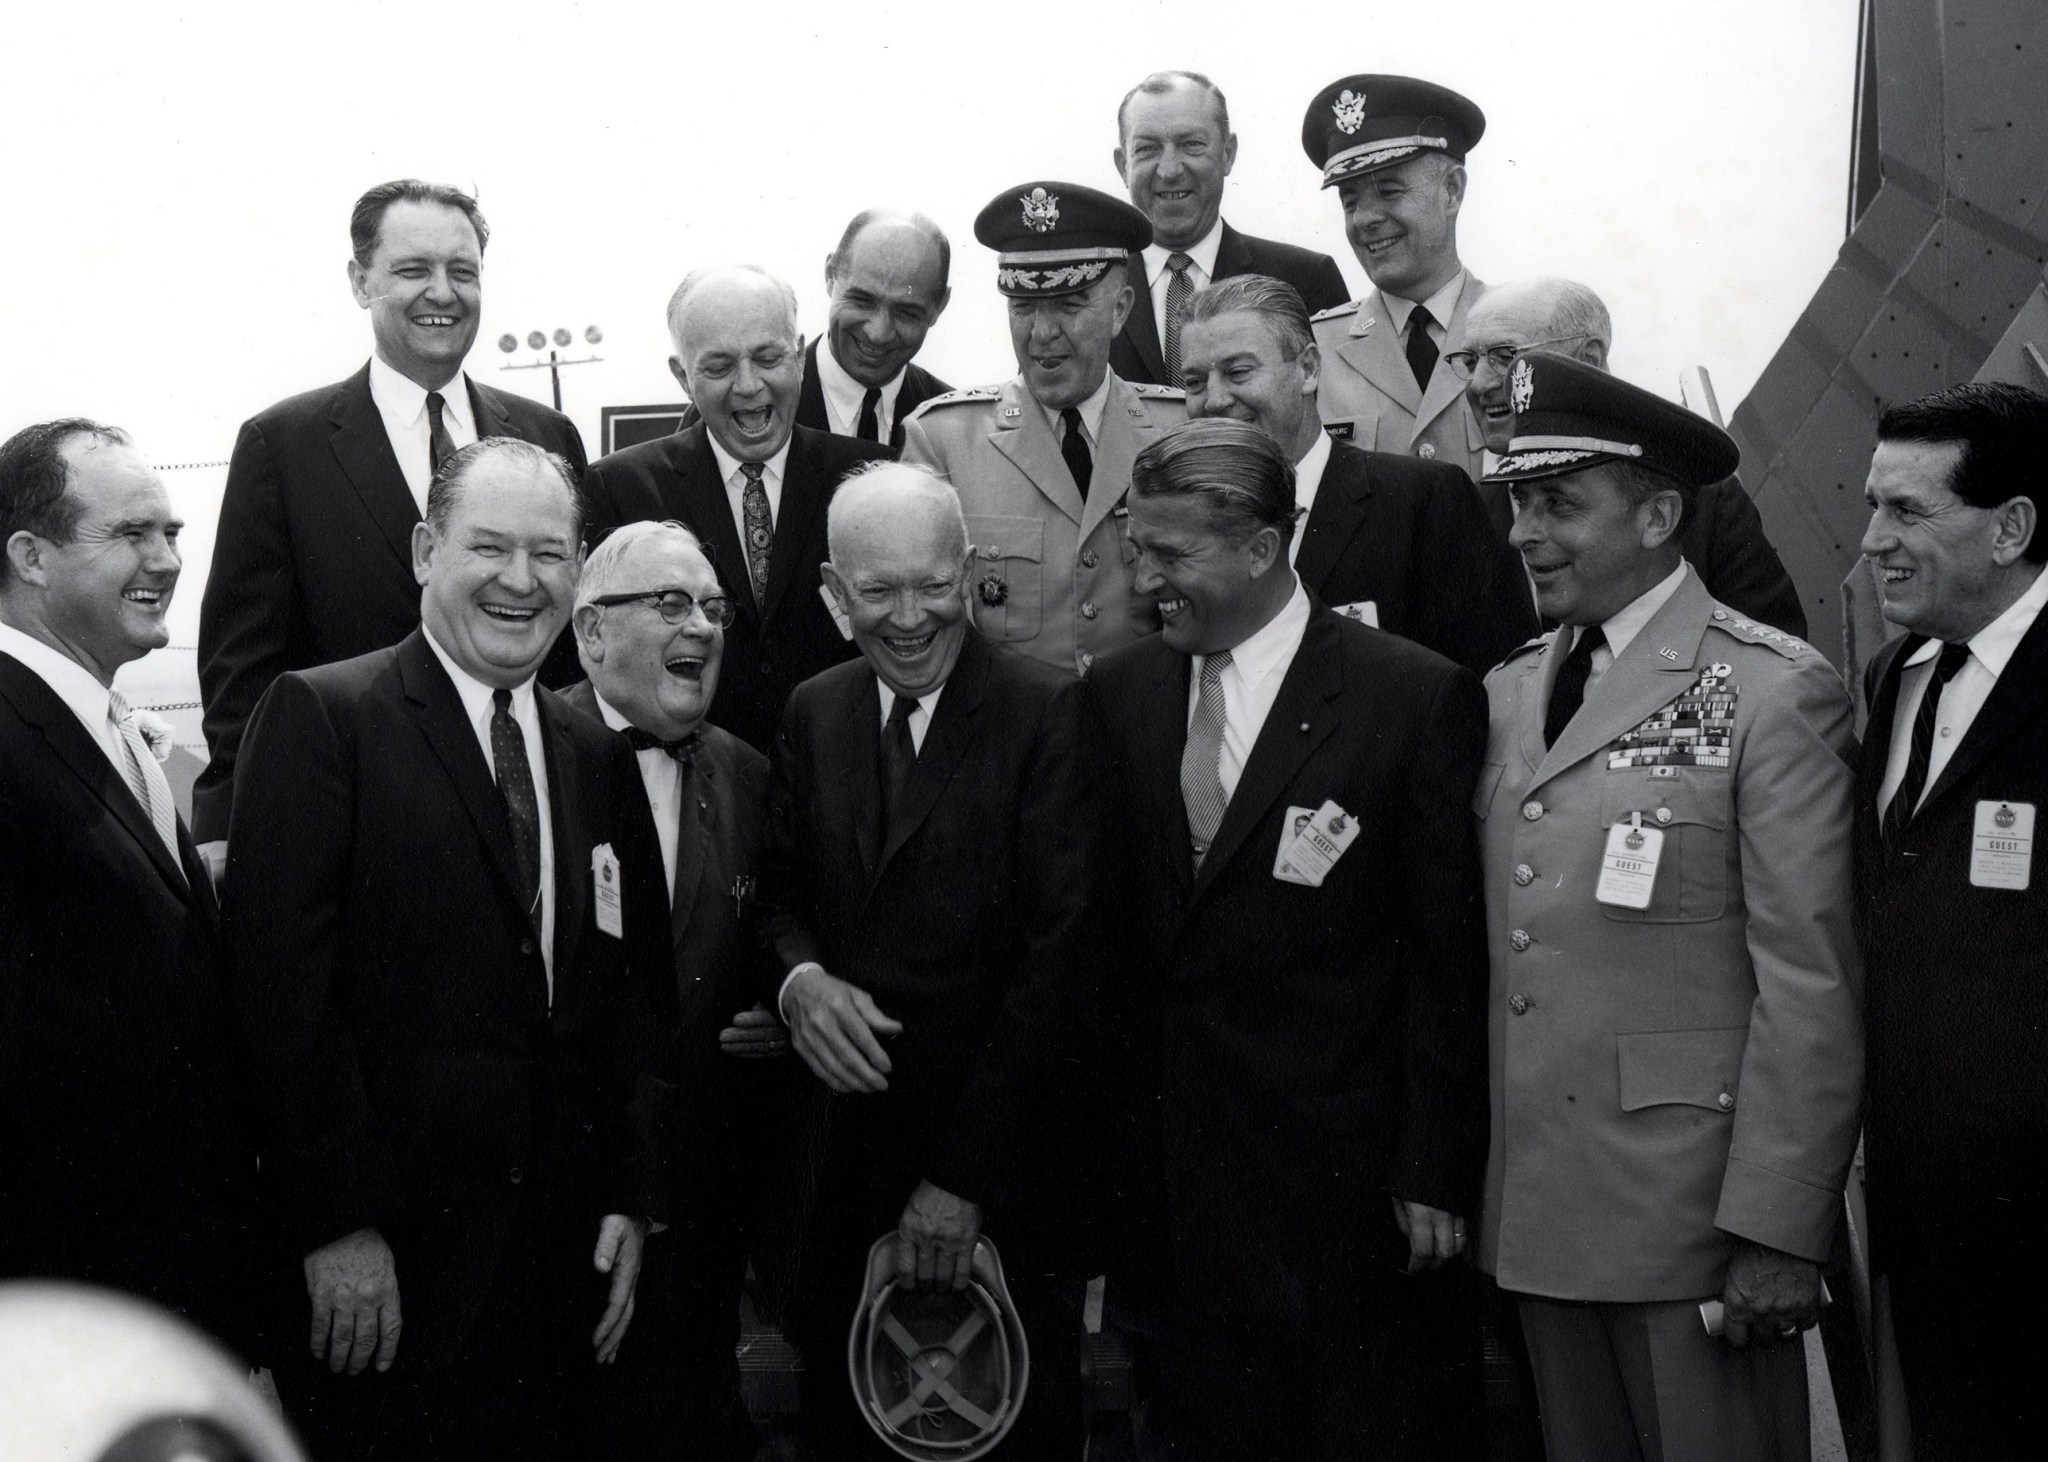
(1521,387)
(1350,109)
(1041,210)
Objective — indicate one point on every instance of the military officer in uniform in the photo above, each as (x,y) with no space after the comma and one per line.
(1394,149)
(1676,1044)
(1042,462)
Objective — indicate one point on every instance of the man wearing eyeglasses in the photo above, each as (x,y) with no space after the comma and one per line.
(650,630)
(1722,537)
(925,901)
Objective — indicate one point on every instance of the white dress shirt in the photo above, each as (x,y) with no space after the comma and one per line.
(1308,477)
(479,705)
(1627,622)
(1091,414)
(843,395)
(1200,272)
(920,719)
(1962,698)
(402,402)
(736,485)
(1251,683)
(74,685)
(1440,304)
(662,776)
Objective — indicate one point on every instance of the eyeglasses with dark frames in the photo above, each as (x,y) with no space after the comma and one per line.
(674,606)
(1464,362)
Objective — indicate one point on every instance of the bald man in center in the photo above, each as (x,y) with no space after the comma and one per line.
(925,906)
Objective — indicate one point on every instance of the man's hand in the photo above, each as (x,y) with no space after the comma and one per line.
(753,1034)
(1434,1236)
(834,1025)
(353,1284)
(214,856)
(619,1243)
(1769,1295)
(935,1238)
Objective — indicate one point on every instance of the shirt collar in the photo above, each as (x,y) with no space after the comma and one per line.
(1202,251)
(1442,305)
(928,702)
(1628,621)
(68,680)
(611,714)
(1091,411)
(729,465)
(1308,472)
(1255,656)
(1994,644)
(405,400)
(478,698)
(845,392)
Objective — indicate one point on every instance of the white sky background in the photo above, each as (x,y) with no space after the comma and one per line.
(178,187)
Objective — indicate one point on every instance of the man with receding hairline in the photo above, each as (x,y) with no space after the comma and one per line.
(1174,150)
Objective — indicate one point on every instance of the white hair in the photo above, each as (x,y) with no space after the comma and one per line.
(697,278)
(601,567)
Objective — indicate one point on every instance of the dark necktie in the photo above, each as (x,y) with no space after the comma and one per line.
(1421,349)
(760,529)
(682,751)
(1570,691)
(1201,759)
(869,427)
(898,756)
(440,446)
(1178,289)
(1074,447)
(1906,800)
(522,802)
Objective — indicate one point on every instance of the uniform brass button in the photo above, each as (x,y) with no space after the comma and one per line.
(1519,1004)
(1524,874)
(1663,815)
(1088,610)
(1426,451)
(1532,810)
(1088,559)
(516,1177)
(1725,1102)
(1720,614)
(1520,940)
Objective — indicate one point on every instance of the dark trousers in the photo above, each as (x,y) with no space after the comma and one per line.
(1972,1354)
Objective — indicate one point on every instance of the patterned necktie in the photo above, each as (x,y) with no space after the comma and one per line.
(1201,761)
(760,529)
(682,751)
(144,775)
(1074,447)
(440,446)
(522,802)
(1906,801)
(1570,691)
(898,756)
(1421,350)
(869,427)
(1178,288)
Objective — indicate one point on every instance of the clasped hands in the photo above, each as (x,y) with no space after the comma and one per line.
(357,1318)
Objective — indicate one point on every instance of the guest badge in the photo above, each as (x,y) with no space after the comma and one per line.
(1628,872)
(838,615)
(1312,842)
(2002,846)
(604,880)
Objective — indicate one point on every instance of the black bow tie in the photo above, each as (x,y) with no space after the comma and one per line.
(683,749)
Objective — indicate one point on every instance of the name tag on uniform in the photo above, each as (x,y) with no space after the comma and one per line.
(1313,844)
(1365,611)
(604,882)
(1628,870)
(2002,846)
(839,618)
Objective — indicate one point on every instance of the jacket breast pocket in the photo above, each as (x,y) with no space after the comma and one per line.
(1483,789)
(1698,1068)
(1690,806)
(1008,576)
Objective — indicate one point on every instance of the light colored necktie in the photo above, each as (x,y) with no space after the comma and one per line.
(1178,289)
(1201,761)
(144,776)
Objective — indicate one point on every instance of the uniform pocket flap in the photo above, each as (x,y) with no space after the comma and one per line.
(1005,537)
(1690,1068)
(1482,790)
(1664,798)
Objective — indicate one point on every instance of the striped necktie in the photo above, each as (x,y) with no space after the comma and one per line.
(145,777)
(1201,761)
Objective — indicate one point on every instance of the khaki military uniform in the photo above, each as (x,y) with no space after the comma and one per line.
(1368,394)
(1052,574)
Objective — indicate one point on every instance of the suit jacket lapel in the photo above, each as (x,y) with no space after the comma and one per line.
(1373,349)
(363,448)
(946,740)
(1877,729)
(1445,389)
(487,410)
(1232,257)
(694,818)
(1341,506)
(1023,435)
(566,818)
(1141,326)
(1165,730)
(68,740)
(801,520)
(810,401)
(856,768)
(1314,683)
(2017,699)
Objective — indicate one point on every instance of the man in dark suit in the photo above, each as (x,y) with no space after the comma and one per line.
(1953,911)
(1300,1019)
(749,482)
(1388,540)
(1722,537)
(123,1154)
(1174,149)
(445,928)
(650,622)
(926,885)
(313,560)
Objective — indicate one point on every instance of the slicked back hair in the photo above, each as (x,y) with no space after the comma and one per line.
(35,480)
(1159,83)
(1279,305)
(366,223)
(446,488)
(2003,432)
(1240,472)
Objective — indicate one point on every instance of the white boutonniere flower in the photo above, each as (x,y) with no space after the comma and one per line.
(156,734)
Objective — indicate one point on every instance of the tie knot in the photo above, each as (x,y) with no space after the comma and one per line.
(752,470)
(117,708)
(900,711)
(1951,660)
(1214,665)
(435,401)
(502,699)
(682,750)
(1178,262)
(1591,638)
(1070,420)
(1420,319)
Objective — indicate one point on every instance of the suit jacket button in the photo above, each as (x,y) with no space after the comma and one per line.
(1088,610)
(1088,559)
(1426,451)
(526,946)
(516,1177)
(767,667)
(1524,874)
(1520,940)
(1531,811)
(1519,1004)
